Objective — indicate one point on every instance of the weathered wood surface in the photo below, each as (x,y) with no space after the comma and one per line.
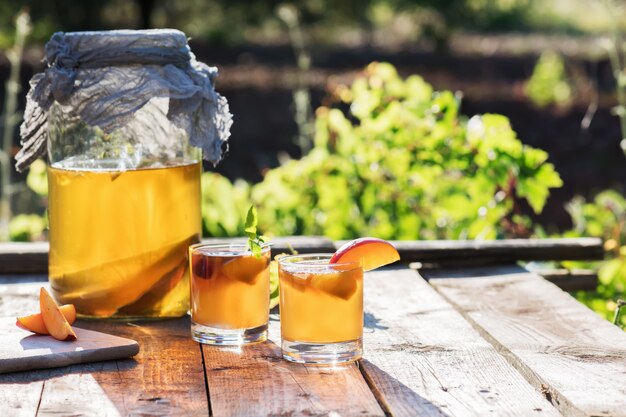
(165,378)
(561,347)
(505,345)
(422,357)
(567,280)
(473,252)
(251,381)
(32,258)
(29,258)
(255,381)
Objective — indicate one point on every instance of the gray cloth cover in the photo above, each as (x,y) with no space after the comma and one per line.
(106,77)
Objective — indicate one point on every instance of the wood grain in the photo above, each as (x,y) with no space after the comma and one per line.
(165,378)
(422,358)
(577,359)
(256,381)
(20,393)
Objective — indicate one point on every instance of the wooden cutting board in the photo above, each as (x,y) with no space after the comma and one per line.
(21,350)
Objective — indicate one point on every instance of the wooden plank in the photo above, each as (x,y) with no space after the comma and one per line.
(20,393)
(574,280)
(77,392)
(29,258)
(19,299)
(474,252)
(567,280)
(24,258)
(32,258)
(422,357)
(165,378)
(564,349)
(256,381)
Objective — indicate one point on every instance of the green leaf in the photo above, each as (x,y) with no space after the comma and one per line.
(255,242)
(251,222)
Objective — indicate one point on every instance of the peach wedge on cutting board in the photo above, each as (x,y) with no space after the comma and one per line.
(35,324)
(53,320)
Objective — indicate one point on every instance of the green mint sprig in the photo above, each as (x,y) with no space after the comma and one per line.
(255,241)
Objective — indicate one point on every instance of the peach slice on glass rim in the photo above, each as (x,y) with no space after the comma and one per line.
(35,324)
(372,252)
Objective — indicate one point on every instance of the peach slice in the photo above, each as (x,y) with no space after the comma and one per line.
(245,268)
(340,284)
(34,322)
(52,317)
(371,251)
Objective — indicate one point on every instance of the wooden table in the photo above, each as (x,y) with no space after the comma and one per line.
(471,341)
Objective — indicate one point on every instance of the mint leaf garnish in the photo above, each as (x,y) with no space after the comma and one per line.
(250,229)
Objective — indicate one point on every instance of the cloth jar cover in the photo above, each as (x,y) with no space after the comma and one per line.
(105,78)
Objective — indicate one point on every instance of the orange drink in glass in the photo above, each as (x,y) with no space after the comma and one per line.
(321,309)
(229,293)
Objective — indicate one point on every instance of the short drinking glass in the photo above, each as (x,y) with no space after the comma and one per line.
(321,309)
(229,294)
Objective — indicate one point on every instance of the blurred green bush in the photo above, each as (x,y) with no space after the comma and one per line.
(549,84)
(402,163)
(603,217)
(30,227)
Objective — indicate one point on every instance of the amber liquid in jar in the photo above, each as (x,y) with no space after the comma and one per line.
(119,239)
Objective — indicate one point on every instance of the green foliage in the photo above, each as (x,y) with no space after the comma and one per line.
(223,204)
(402,164)
(37,179)
(549,84)
(31,227)
(274,284)
(605,217)
(27,227)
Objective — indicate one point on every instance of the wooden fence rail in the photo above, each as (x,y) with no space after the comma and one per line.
(31,258)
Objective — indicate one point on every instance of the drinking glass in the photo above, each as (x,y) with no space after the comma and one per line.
(321,309)
(229,293)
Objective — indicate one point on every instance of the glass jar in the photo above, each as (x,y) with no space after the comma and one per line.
(122,116)
(123,210)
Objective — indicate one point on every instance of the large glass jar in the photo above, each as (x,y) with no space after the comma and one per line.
(123,210)
(125,118)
